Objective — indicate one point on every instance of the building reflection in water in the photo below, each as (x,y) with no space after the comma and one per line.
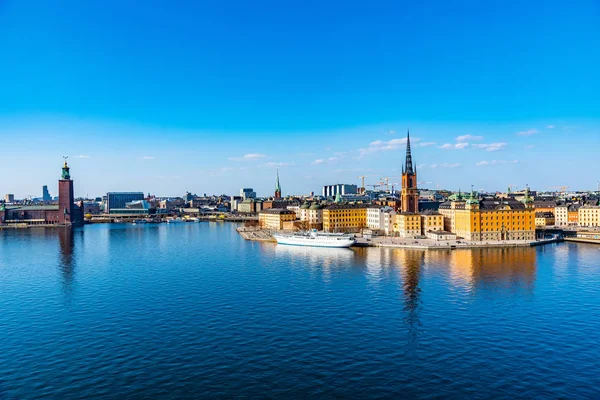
(410,263)
(66,240)
(496,269)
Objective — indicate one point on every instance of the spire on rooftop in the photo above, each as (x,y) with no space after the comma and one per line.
(408,166)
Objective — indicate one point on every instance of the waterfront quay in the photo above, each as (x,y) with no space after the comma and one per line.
(265,235)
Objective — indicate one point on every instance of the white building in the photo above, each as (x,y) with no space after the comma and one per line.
(561,215)
(376,218)
(388,221)
(342,189)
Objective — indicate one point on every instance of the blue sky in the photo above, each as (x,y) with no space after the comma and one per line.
(213,96)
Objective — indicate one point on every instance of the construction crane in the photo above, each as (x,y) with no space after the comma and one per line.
(386,180)
(373,186)
(362,182)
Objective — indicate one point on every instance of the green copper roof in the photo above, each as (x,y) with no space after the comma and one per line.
(338,198)
(277,185)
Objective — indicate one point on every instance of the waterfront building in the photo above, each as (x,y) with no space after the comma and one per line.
(376,216)
(136,207)
(388,220)
(544,218)
(247,193)
(66,212)
(277,188)
(275,218)
(494,219)
(589,216)
(341,189)
(46,194)
(409,198)
(250,205)
(561,215)
(431,221)
(235,201)
(344,217)
(118,200)
(573,214)
(408,224)
(9,198)
(315,216)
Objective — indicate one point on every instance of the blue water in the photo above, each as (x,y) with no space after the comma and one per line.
(192,310)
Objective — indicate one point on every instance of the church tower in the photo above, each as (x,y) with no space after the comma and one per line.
(410,196)
(277,187)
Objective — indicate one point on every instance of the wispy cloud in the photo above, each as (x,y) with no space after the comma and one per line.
(382,145)
(277,164)
(465,138)
(550,127)
(496,146)
(147,158)
(82,156)
(449,146)
(426,144)
(318,161)
(528,132)
(445,165)
(391,132)
(495,162)
(424,183)
(248,157)
(419,166)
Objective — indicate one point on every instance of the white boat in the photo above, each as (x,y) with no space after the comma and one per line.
(315,239)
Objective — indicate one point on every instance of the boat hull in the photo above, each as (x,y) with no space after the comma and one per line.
(314,242)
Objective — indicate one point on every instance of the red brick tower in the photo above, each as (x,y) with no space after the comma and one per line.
(410,194)
(66,199)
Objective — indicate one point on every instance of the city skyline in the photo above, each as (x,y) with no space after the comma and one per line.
(209,100)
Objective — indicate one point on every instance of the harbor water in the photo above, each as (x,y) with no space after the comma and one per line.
(191,310)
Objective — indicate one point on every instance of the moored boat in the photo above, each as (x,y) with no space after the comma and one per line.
(315,239)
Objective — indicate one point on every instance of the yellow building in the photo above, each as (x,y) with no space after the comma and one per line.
(344,218)
(431,221)
(407,225)
(493,219)
(589,216)
(544,218)
(274,218)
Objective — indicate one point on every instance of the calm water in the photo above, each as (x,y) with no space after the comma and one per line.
(192,310)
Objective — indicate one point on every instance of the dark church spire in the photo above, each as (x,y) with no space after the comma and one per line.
(408,167)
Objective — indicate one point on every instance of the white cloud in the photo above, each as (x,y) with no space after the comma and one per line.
(550,127)
(460,145)
(425,144)
(419,166)
(528,132)
(82,156)
(495,162)
(496,146)
(248,157)
(317,162)
(390,132)
(277,164)
(147,158)
(380,145)
(465,138)
(424,183)
(445,165)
